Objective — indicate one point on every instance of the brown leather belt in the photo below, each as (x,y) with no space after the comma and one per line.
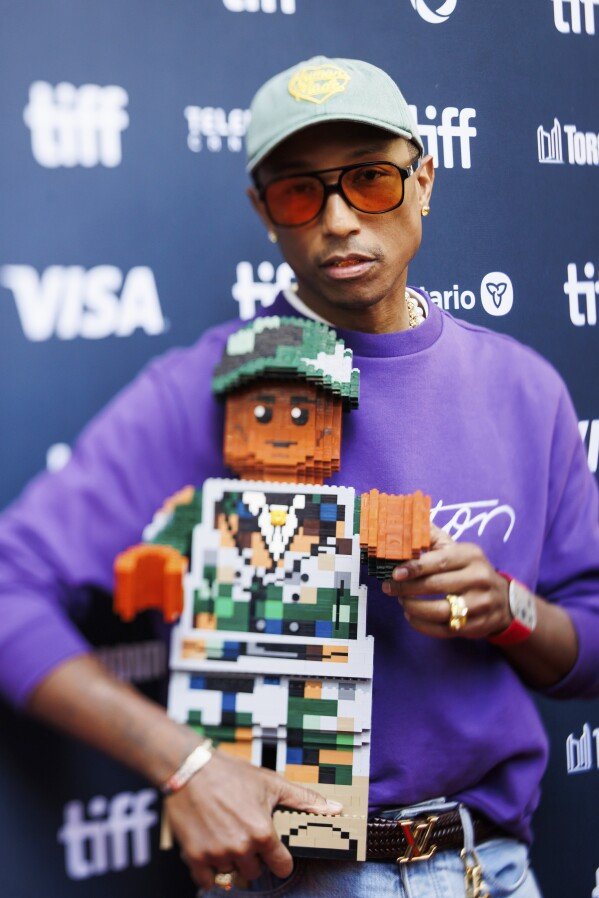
(417,839)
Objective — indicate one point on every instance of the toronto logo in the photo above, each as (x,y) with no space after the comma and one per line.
(582,147)
(434,16)
(582,752)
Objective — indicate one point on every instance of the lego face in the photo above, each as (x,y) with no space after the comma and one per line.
(283,431)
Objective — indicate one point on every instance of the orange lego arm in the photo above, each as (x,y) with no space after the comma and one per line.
(393,529)
(149,576)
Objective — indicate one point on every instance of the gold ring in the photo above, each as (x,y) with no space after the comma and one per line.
(458,612)
(224,881)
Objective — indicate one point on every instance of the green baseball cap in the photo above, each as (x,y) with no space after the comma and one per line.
(288,347)
(325,90)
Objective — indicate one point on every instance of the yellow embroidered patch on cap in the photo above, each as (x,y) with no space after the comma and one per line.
(318,83)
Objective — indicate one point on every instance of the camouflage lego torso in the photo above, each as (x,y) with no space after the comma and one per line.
(271,658)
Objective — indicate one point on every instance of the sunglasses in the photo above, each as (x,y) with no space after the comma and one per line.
(371,187)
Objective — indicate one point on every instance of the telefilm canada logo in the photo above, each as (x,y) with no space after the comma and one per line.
(434,13)
(66,301)
(575,16)
(109,835)
(496,295)
(582,752)
(214,128)
(582,147)
(582,294)
(448,142)
(76,125)
(284,6)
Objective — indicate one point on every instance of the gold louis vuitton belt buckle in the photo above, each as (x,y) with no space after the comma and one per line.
(418,838)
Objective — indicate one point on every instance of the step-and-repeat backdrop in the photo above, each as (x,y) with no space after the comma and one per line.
(125,230)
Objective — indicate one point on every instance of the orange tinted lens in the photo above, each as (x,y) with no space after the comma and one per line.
(373,188)
(294,201)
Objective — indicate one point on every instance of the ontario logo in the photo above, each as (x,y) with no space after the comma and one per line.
(436,15)
(496,295)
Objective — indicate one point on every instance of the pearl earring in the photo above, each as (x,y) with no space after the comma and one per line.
(273,237)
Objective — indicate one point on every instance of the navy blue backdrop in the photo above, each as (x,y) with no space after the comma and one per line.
(124,230)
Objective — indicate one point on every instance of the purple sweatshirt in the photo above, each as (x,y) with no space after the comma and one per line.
(472,417)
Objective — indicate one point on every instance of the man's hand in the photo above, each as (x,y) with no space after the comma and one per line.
(450,567)
(464,570)
(222,819)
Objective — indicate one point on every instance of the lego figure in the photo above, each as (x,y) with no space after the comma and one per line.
(270,658)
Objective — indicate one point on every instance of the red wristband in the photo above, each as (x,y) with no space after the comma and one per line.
(524,614)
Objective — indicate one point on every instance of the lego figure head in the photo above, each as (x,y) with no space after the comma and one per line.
(286,383)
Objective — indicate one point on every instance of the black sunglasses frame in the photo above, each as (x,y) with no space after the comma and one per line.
(336,187)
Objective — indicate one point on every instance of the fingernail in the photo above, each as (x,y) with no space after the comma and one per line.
(386,587)
(400,573)
(334,806)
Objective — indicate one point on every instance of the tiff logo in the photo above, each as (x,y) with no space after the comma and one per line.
(247,292)
(76,125)
(580,12)
(66,301)
(215,125)
(586,290)
(590,429)
(286,6)
(583,146)
(449,131)
(116,835)
(580,757)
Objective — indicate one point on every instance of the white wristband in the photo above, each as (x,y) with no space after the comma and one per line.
(198,758)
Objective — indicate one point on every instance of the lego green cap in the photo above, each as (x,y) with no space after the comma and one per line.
(325,90)
(286,347)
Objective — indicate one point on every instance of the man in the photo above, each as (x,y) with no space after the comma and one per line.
(470,417)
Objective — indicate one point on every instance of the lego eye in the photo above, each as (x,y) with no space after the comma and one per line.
(299,415)
(263,414)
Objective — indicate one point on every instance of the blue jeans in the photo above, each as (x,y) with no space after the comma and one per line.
(504,863)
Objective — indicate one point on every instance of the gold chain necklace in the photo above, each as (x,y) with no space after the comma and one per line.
(415,311)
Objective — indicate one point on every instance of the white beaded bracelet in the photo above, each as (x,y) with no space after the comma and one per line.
(198,758)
